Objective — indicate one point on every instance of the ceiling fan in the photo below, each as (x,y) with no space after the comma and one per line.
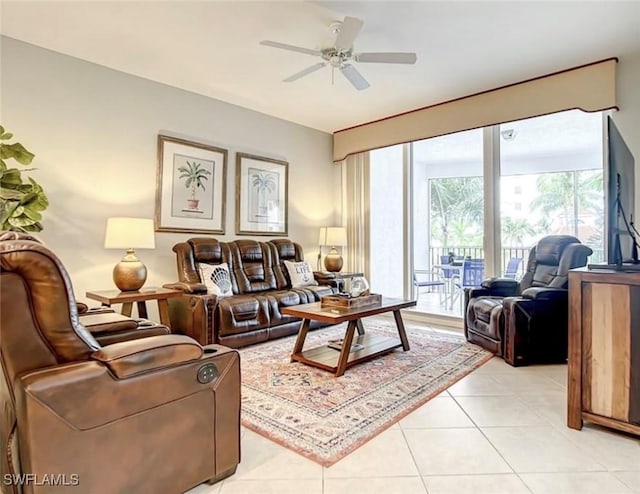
(341,53)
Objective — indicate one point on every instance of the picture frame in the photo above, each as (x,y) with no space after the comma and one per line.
(261,195)
(191,187)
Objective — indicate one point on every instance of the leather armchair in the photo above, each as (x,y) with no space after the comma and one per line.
(527,322)
(153,415)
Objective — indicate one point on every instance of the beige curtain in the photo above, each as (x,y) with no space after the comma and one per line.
(355,212)
(590,88)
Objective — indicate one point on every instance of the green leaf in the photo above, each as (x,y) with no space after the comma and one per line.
(6,136)
(9,194)
(17,152)
(36,227)
(32,214)
(41,202)
(20,221)
(9,208)
(3,166)
(1,129)
(28,198)
(11,178)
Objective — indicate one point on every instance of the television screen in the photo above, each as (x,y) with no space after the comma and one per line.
(620,199)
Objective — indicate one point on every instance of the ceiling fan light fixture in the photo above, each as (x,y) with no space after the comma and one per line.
(341,53)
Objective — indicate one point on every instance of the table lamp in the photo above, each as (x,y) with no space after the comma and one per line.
(129,233)
(335,235)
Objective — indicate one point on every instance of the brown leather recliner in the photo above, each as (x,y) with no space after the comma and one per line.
(153,415)
(527,322)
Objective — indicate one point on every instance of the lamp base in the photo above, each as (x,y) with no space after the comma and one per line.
(130,273)
(333,261)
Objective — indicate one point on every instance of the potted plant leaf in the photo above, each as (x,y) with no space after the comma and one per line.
(21,202)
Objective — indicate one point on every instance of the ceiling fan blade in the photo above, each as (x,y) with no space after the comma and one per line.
(349,29)
(304,72)
(354,77)
(385,57)
(284,46)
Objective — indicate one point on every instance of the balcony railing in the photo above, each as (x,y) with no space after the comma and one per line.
(475,252)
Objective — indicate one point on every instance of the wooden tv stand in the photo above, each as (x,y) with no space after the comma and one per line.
(604,349)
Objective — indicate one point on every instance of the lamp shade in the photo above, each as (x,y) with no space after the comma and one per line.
(336,235)
(129,233)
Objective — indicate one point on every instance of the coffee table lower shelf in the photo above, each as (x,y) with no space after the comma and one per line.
(327,358)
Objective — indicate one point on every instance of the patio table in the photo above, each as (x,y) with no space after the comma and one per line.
(456,273)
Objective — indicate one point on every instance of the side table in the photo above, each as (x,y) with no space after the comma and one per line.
(109,297)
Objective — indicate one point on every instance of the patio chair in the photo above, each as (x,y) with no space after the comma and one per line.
(433,279)
(512,268)
(447,274)
(472,276)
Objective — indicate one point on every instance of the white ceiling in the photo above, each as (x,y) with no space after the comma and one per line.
(212,47)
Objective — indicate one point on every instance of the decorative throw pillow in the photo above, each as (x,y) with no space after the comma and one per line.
(300,274)
(217,279)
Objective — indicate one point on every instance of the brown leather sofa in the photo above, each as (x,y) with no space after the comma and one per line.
(260,284)
(527,322)
(153,415)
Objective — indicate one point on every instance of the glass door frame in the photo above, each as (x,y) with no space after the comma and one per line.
(491,238)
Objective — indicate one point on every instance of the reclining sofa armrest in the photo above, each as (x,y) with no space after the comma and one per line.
(135,357)
(187,287)
(546,294)
(194,315)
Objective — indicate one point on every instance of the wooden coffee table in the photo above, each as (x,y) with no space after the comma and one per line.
(337,361)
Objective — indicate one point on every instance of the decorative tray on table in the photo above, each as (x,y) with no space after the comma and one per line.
(347,302)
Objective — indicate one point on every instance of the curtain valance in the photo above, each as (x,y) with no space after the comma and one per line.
(589,88)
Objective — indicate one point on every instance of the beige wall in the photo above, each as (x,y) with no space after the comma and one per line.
(628,118)
(94,132)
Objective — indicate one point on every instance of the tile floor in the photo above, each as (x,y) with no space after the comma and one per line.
(498,430)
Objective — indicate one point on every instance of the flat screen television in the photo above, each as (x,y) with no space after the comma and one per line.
(620,202)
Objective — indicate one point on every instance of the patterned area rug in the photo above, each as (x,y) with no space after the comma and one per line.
(325,418)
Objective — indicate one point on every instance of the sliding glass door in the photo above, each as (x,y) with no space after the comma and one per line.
(447,220)
(551,182)
(429,223)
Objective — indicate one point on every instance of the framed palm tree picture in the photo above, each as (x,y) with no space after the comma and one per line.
(261,195)
(191,186)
